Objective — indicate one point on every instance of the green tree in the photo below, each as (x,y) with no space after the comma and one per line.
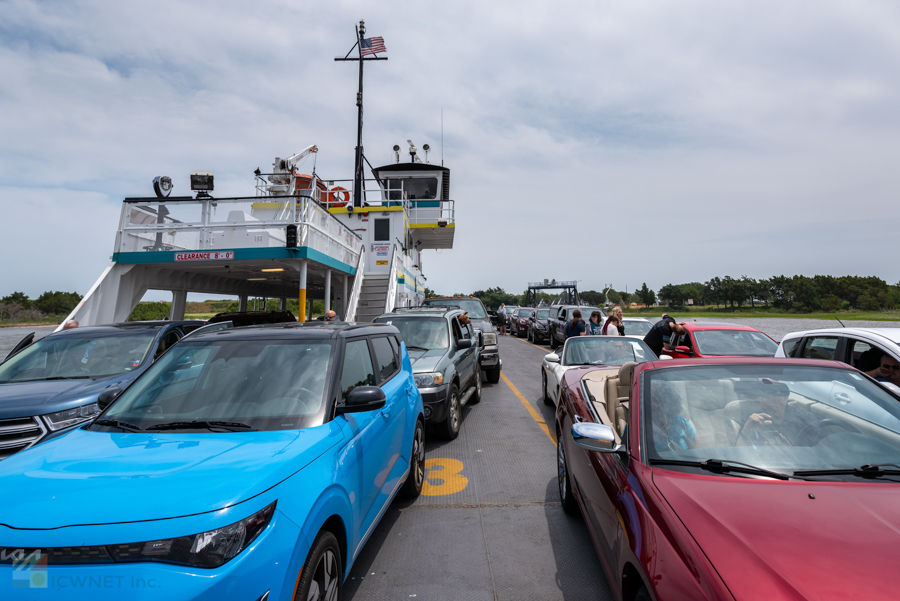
(646,295)
(830,303)
(17,298)
(57,303)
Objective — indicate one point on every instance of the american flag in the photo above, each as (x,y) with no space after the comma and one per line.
(371,46)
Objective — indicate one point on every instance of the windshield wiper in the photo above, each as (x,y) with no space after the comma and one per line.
(208,425)
(115,423)
(724,466)
(418,348)
(50,378)
(863,471)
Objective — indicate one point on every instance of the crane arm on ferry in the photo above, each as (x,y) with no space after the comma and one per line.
(292,161)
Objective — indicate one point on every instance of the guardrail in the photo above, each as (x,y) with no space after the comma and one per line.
(353,301)
(391,298)
(165,224)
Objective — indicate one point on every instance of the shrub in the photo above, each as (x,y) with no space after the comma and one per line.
(830,303)
(868,302)
(149,311)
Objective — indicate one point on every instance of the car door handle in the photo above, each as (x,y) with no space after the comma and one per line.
(386,412)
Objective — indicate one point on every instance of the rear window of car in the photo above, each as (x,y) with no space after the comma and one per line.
(386,361)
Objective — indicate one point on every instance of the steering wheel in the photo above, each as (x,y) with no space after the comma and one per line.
(828,421)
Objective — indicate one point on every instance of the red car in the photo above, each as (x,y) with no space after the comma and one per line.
(734,478)
(520,320)
(722,340)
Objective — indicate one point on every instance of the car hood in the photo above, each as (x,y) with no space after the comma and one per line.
(89,477)
(24,399)
(771,539)
(425,361)
(484,325)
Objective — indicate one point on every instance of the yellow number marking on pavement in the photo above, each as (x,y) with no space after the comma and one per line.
(534,414)
(449,475)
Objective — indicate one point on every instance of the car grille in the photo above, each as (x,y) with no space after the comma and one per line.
(19,433)
(57,555)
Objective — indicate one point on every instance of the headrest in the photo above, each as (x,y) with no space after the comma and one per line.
(625,373)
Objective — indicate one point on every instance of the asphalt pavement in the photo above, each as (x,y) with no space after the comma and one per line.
(489,525)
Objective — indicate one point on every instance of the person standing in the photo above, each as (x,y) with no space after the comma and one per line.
(660,335)
(595,324)
(614,325)
(501,319)
(575,326)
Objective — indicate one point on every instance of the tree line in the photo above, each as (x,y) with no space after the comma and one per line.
(797,294)
(18,307)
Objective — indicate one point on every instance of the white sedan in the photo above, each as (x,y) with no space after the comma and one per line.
(581,351)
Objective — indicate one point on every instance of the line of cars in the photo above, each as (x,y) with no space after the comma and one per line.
(718,476)
(323,425)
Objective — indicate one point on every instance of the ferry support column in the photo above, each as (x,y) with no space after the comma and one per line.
(179,300)
(242,303)
(327,290)
(344,299)
(301,308)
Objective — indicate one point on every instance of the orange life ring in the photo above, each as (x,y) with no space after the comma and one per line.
(336,193)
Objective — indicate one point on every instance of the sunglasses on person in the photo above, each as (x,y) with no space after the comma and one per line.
(329,318)
(889,366)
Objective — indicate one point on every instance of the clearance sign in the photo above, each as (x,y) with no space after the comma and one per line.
(214,255)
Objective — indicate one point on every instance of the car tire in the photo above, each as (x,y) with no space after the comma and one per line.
(476,396)
(547,399)
(416,478)
(553,343)
(449,428)
(322,573)
(493,375)
(569,504)
(643,594)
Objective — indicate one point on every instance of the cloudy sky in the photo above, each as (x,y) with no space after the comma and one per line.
(608,142)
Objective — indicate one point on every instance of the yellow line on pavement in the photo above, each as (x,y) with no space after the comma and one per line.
(531,410)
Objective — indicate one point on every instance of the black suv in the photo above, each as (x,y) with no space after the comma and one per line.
(560,316)
(489,357)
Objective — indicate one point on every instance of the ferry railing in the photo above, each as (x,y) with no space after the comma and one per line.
(353,301)
(189,224)
(391,298)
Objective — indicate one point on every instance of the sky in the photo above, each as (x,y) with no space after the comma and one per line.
(606,142)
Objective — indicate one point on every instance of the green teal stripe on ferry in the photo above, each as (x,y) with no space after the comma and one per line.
(240,254)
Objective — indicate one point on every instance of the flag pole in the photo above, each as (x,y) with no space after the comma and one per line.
(358,181)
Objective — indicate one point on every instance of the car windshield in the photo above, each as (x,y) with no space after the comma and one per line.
(263,384)
(542,314)
(525,313)
(742,343)
(473,307)
(777,417)
(420,332)
(605,350)
(94,354)
(637,328)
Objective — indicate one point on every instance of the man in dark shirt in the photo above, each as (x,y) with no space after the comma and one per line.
(661,334)
(776,424)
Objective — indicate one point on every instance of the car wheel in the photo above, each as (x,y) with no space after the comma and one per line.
(416,478)
(553,343)
(547,399)
(565,488)
(493,375)
(322,573)
(476,396)
(643,594)
(449,428)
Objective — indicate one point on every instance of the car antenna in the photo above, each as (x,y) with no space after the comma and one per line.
(840,322)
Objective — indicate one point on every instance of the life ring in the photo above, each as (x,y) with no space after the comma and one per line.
(337,193)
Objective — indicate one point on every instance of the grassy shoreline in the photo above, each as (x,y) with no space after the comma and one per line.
(757,312)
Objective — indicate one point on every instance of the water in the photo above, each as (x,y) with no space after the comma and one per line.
(778,327)
(10,337)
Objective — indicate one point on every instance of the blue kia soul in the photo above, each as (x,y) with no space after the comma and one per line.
(246,464)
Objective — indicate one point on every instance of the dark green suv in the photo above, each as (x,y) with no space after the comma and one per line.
(444,353)
(474,308)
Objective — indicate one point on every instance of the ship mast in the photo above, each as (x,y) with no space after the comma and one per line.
(358,179)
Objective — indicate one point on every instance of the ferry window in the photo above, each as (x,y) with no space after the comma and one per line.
(382,230)
(416,188)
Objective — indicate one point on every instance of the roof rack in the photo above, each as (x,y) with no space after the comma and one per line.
(426,309)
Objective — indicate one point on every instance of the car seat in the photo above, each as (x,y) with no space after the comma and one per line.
(705,403)
(617,396)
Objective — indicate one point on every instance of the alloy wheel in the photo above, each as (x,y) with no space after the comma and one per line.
(419,454)
(562,475)
(324,586)
(454,412)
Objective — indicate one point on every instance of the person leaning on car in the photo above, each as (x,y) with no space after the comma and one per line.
(660,335)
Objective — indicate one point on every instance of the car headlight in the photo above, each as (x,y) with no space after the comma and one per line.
(205,550)
(70,417)
(540,326)
(490,338)
(428,380)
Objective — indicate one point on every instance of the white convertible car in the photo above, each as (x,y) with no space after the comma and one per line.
(590,350)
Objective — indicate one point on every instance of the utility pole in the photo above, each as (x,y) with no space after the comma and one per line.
(358,179)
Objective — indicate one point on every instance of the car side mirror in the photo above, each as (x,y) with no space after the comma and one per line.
(107,397)
(552,358)
(665,357)
(463,343)
(596,437)
(684,350)
(363,398)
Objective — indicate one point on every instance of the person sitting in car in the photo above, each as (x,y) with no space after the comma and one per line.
(890,370)
(776,423)
(671,430)
(869,362)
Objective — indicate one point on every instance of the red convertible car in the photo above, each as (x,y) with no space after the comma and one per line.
(708,339)
(734,478)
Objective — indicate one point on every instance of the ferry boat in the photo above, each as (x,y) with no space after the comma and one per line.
(298,236)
